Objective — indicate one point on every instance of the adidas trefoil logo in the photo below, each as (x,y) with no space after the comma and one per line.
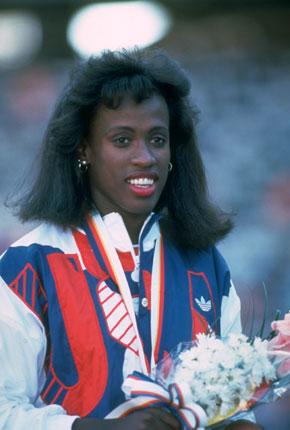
(204,306)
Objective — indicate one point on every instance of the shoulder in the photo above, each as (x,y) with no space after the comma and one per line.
(45,235)
(44,238)
(222,270)
(210,255)
(219,259)
(212,263)
(31,250)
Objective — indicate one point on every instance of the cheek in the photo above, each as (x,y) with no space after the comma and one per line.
(97,173)
(168,153)
(99,176)
(164,161)
(106,174)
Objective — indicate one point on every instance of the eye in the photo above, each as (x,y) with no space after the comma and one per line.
(121,140)
(158,141)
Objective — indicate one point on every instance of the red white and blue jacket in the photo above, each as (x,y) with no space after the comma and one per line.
(81,309)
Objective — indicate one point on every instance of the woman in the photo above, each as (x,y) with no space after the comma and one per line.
(124,248)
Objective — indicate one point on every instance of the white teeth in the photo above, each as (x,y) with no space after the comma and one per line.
(141,182)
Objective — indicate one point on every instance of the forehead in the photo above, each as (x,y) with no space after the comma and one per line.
(152,110)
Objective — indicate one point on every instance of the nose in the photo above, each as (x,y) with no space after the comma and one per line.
(143,155)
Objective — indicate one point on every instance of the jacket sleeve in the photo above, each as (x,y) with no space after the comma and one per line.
(22,353)
(231,312)
(231,323)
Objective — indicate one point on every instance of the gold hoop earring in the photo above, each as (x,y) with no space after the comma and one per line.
(83,165)
(170,166)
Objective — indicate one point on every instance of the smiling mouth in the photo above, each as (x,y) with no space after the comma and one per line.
(141,182)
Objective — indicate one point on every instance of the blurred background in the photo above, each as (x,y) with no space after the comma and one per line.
(237,53)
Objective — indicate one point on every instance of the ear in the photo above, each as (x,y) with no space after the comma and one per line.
(83,151)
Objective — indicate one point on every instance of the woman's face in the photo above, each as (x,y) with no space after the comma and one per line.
(128,152)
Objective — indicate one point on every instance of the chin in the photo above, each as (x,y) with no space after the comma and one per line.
(141,212)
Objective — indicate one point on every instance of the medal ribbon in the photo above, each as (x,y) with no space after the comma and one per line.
(144,392)
(117,273)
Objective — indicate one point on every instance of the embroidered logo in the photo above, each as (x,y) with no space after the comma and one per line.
(204,305)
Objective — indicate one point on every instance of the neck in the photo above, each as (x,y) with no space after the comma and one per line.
(134,225)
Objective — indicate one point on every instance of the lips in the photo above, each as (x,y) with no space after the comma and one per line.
(142,184)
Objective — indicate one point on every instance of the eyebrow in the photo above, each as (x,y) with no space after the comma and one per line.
(127,128)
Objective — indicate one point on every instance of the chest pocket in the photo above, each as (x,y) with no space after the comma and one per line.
(202,303)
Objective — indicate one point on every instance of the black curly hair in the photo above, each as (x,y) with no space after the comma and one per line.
(62,196)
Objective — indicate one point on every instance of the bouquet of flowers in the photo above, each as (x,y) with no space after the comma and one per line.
(220,375)
(207,382)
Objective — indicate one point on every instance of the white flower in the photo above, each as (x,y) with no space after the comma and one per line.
(221,375)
